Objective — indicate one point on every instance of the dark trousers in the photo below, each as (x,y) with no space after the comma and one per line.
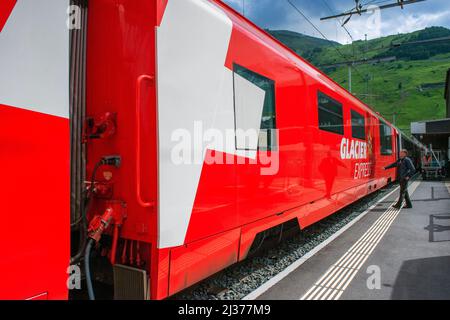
(404,194)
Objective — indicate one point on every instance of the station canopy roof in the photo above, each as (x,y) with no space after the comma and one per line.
(441,126)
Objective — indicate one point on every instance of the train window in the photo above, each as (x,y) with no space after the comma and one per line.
(385,139)
(358,126)
(254,102)
(331,116)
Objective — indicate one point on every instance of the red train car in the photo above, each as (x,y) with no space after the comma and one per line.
(193,131)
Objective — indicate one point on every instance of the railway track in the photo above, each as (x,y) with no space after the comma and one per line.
(240,280)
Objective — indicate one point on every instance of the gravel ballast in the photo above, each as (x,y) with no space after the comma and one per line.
(239,280)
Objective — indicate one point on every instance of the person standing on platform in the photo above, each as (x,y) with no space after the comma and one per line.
(406,170)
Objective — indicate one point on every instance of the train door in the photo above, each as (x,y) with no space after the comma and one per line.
(400,145)
(371,146)
(120,137)
(34,149)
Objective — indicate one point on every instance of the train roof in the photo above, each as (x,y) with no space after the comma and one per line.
(293,57)
(411,139)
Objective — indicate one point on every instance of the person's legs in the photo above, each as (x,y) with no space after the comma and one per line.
(402,193)
(408,200)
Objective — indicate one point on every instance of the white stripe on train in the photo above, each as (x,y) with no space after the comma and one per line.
(34,58)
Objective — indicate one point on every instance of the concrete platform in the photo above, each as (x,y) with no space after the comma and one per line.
(388,254)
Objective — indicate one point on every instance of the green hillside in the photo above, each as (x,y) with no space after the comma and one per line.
(304,45)
(411,86)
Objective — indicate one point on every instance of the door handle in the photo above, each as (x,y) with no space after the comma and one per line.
(139,198)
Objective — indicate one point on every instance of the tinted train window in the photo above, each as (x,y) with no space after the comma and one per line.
(358,126)
(250,91)
(385,139)
(330,114)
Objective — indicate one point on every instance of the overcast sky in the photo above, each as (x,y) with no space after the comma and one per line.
(279,14)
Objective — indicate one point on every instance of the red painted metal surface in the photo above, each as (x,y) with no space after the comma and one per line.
(160,8)
(139,81)
(6,8)
(189,264)
(120,49)
(34,161)
(313,181)
(123,59)
(233,203)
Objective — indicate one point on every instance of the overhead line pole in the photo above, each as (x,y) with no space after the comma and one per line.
(351,64)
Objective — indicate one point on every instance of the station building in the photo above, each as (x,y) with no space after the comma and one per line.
(436,132)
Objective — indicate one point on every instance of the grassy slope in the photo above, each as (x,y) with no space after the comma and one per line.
(386,97)
(300,43)
(384,85)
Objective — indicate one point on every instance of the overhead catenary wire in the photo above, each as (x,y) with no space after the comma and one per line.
(362,10)
(347,15)
(401,44)
(332,12)
(375,2)
(343,26)
(334,46)
(322,34)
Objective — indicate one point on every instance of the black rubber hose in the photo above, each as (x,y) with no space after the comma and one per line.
(76,258)
(83,234)
(83,228)
(87,269)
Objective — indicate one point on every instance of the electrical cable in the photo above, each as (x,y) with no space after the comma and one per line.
(83,218)
(88,192)
(106,160)
(85,203)
(83,230)
(87,269)
(344,27)
(332,12)
(321,33)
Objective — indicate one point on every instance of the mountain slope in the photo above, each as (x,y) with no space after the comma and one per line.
(302,44)
(405,90)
